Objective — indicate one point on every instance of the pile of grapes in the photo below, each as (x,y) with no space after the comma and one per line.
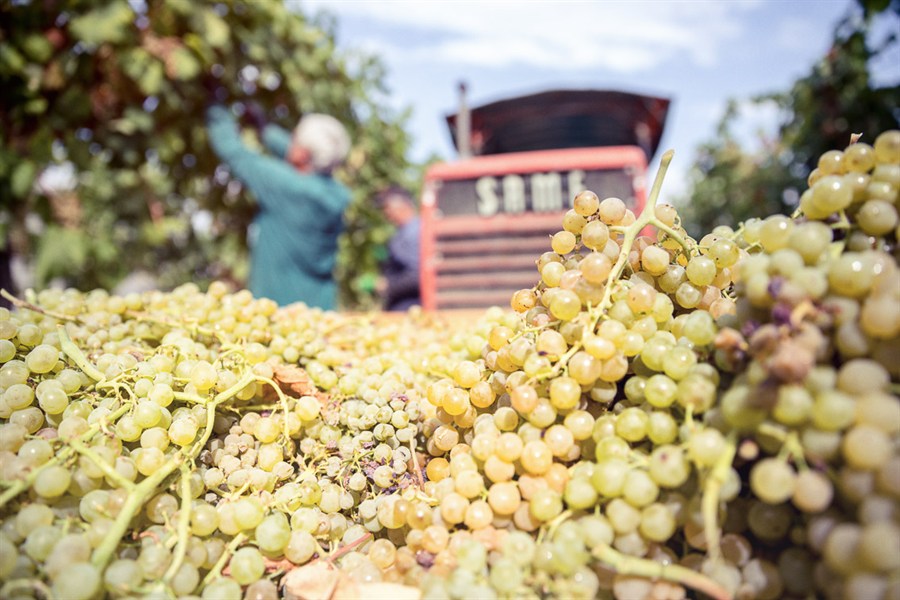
(657,418)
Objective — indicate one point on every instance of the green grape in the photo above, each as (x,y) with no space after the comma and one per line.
(632,424)
(866,447)
(53,400)
(877,217)
(831,162)
(18,396)
(678,362)
(573,222)
(204,519)
(639,489)
(657,522)
(586,203)
(775,232)
(810,240)
(185,580)
(161,507)
(182,431)
(609,477)
(545,504)
(147,414)
(724,252)
(563,242)
(148,460)
(506,576)
(162,394)
(793,406)
(688,295)
(29,335)
(842,546)
(127,429)
(78,581)
(12,372)
(878,547)
(7,348)
(887,147)
(655,261)
(247,565)
(850,275)
(552,273)
(32,516)
(52,481)
(595,235)
(565,305)
(668,466)
(662,428)
(610,446)
(564,392)
(40,541)
(579,494)
(248,513)
(222,588)
(660,390)
(71,548)
(699,328)
(772,480)
(8,557)
(813,491)
(705,446)
(859,158)
(42,358)
(701,270)
(833,410)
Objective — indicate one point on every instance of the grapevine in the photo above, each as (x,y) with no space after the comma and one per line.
(657,418)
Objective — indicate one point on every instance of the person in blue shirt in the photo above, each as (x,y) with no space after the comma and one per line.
(399,285)
(294,238)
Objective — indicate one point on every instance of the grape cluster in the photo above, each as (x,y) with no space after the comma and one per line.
(657,418)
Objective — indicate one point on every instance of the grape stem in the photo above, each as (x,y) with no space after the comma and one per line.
(647,216)
(74,352)
(19,303)
(104,466)
(642,567)
(216,571)
(349,547)
(416,467)
(136,499)
(709,503)
(184,525)
(790,444)
(284,404)
(21,485)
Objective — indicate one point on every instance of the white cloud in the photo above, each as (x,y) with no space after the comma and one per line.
(757,123)
(564,35)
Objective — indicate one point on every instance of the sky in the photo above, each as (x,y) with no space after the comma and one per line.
(697,53)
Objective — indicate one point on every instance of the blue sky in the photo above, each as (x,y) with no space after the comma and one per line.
(698,53)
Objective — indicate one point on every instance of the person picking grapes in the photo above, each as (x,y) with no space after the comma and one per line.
(294,236)
(399,284)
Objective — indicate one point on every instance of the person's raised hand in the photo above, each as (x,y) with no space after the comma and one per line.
(254,115)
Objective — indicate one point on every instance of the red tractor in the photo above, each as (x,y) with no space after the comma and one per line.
(489,214)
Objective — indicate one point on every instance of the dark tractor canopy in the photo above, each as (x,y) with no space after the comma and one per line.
(565,119)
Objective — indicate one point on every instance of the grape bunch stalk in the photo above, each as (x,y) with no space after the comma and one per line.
(657,418)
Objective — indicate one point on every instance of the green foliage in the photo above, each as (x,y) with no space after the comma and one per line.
(118,89)
(730,184)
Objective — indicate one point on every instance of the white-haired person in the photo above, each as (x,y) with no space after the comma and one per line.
(294,236)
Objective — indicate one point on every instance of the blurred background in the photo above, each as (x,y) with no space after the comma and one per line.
(106,175)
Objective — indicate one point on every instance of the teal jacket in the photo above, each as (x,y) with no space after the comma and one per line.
(295,242)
